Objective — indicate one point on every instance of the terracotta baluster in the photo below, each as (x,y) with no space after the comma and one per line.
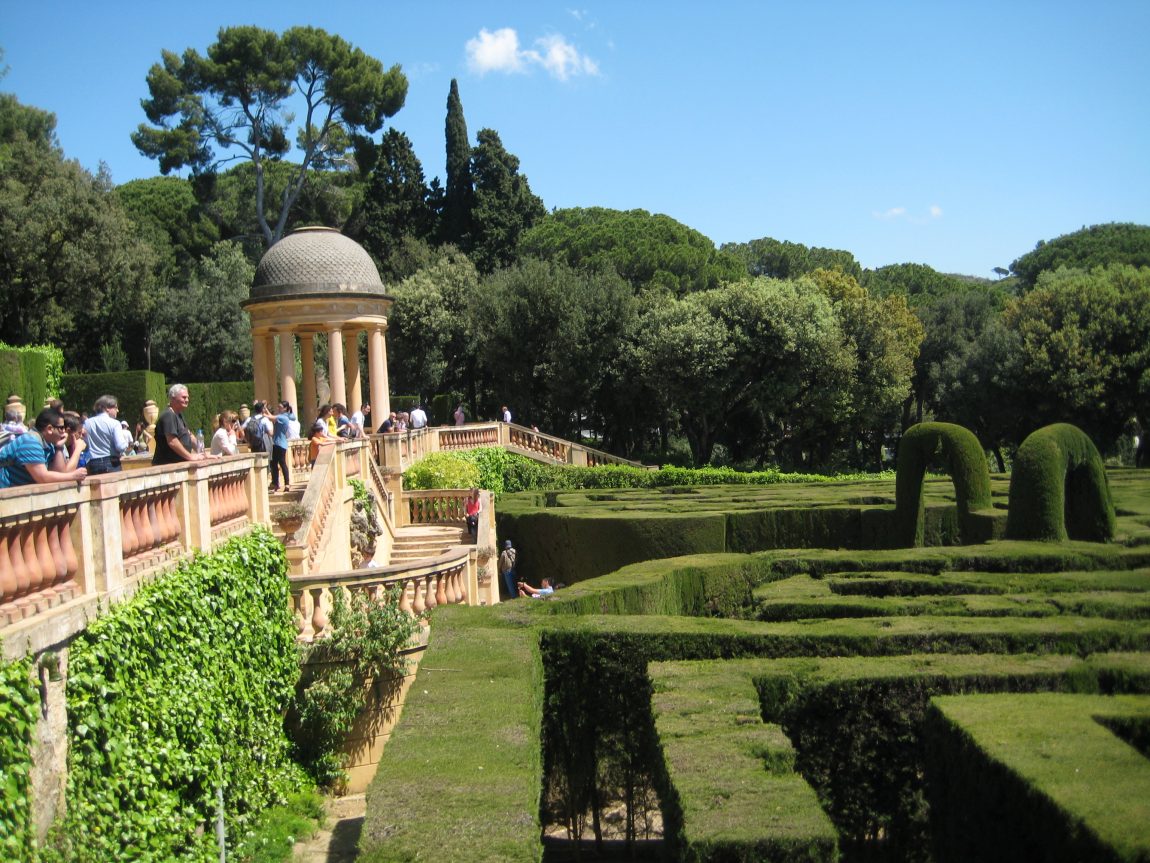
(441,589)
(128,541)
(172,521)
(405,598)
(449,589)
(319,618)
(302,604)
(152,515)
(143,528)
(9,584)
(32,564)
(419,605)
(52,527)
(20,567)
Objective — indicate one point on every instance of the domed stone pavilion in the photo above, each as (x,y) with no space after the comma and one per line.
(317,282)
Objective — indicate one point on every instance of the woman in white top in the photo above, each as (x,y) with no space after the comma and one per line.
(224,440)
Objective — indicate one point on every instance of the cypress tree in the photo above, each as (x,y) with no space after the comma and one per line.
(457,203)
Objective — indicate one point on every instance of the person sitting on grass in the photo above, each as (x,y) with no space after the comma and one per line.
(546,589)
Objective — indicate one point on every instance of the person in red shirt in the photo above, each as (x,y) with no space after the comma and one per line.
(472,508)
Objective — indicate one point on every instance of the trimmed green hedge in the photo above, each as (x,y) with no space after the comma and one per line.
(966,464)
(173,695)
(718,801)
(33,373)
(207,400)
(1036,778)
(1058,488)
(131,389)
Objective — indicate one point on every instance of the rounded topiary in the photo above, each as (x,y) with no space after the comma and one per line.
(1058,488)
(965,462)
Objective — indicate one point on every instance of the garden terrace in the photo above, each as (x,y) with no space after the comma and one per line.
(653,699)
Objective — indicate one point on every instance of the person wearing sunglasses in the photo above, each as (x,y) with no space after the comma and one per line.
(38,456)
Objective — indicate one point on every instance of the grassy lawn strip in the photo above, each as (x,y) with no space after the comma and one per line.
(730,790)
(460,779)
(1063,777)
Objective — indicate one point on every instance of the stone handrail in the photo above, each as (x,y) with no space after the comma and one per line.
(68,548)
(422,586)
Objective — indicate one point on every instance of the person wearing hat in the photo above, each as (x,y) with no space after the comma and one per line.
(507,569)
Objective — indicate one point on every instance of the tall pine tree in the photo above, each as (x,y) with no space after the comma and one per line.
(504,205)
(398,215)
(457,204)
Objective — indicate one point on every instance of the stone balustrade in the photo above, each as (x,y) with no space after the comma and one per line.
(469,436)
(68,548)
(435,506)
(422,586)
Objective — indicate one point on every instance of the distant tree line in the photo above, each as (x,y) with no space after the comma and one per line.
(628,326)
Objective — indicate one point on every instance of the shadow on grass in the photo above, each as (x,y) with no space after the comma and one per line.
(556,850)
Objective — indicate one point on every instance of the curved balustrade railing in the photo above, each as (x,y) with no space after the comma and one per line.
(422,586)
(539,444)
(67,549)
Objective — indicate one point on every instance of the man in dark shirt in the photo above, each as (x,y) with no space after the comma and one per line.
(173,440)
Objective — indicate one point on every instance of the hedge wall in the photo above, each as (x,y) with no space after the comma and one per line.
(19,710)
(31,373)
(1058,488)
(965,462)
(1036,778)
(132,389)
(208,399)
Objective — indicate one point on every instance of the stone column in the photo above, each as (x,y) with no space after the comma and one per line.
(377,361)
(263,371)
(287,367)
(335,366)
(351,366)
(306,410)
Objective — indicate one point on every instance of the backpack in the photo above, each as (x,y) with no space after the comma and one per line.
(254,433)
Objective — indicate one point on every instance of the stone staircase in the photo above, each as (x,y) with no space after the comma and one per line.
(423,541)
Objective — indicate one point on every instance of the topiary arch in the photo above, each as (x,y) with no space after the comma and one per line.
(1058,488)
(966,464)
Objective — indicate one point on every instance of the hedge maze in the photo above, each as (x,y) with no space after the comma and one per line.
(746,673)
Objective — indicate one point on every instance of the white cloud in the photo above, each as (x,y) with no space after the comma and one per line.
(934,211)
(499,51)
(494,52)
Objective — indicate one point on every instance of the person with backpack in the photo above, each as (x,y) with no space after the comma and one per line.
(281,433)
(507,569)
(258,429)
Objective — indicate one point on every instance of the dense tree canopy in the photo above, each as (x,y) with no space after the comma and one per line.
(72,271)
(236,99)
(1086,249)
(397,207)
(649,251)
(783,260)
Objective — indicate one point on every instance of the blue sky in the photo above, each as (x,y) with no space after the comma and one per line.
(954,134)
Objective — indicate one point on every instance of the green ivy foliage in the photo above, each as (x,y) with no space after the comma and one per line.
(18,706)
(366,644)
(173,694)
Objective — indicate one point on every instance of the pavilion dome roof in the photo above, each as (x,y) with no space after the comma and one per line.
(316,261)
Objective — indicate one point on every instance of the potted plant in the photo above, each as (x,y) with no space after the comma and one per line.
(290,517)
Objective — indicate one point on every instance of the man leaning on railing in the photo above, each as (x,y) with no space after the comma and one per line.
(38,456)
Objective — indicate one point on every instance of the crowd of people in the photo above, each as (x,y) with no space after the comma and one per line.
(64,445)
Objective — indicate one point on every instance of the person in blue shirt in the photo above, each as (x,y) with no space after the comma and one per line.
(546,590)
(38,456)
(281,434)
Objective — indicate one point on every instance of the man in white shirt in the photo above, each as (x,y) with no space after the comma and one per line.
(506,414)
(418,418)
